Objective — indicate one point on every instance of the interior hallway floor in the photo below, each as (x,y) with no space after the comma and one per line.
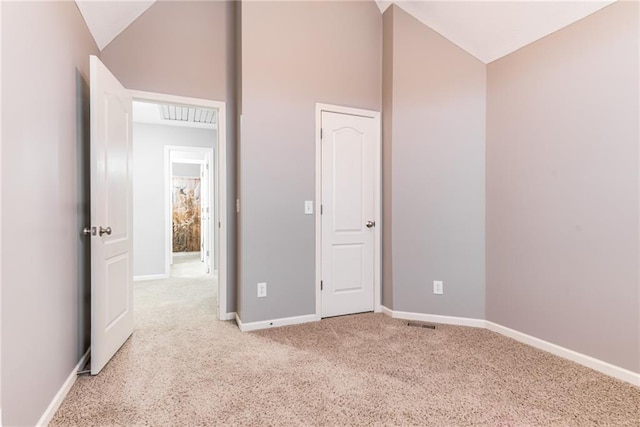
(187,264)
(183,367)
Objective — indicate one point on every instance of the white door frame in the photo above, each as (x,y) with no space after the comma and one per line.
(171,156)
(220,182)
(377,201)
(0,217)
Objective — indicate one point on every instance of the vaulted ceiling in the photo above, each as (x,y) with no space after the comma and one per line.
(487,30)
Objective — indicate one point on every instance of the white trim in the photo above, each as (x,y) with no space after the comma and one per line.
(582,359)
(386,311)
(221,180)
(377,201)
(435,318)
(150,277)
(230,316)
(274,323)
(48,414)
(0,213)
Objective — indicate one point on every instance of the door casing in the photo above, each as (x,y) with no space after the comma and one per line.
(220,182)
(377,201)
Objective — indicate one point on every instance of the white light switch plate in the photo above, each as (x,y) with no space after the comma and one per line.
(308,207)
(262,290)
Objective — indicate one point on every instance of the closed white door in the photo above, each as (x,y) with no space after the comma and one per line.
(348,214)
(111,216)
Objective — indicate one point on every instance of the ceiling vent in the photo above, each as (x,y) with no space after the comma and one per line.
(187,114)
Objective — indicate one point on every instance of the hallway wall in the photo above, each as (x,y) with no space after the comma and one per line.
(45,306)
(149,227)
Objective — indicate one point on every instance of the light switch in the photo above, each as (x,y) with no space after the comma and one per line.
(308,207)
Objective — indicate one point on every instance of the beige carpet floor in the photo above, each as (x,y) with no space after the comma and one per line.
(181,367)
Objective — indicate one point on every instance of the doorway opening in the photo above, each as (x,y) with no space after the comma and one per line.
(190,238)
(179,190)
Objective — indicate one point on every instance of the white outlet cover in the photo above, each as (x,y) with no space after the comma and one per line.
(438,287)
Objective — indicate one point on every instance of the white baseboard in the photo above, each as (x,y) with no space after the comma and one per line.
(434,318)
(274,323)
(229,316)
(582,359)
(46,418)
(150,277)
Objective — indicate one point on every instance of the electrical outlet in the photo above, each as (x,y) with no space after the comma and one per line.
(438,287)
(262,290)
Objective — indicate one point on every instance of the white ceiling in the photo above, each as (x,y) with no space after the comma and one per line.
(490,30)
(487,30)
(107,19)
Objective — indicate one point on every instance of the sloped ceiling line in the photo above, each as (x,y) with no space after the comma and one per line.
(107,19)
(487,30)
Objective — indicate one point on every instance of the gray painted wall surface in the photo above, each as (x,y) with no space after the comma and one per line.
(149,231)
(186,170)
(45,66)
(290,61)
(438,164)
(186,48)
(387,151)
(562,188)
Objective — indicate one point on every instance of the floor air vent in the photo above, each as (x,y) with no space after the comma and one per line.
(421,325)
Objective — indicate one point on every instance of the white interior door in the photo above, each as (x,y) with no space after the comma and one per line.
(111,216)
(348,217)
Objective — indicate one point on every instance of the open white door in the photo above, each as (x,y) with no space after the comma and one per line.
(111,216)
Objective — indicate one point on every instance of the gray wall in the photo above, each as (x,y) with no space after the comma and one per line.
(438,171)
(45,65)
(186,170)
(294,54)
(387,151)
(562,188)
(149,229)
(186,48)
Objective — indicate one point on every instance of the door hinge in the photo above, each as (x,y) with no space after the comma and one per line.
(207,165)
(321,285)
(321,209)
(207,253)
(320,133)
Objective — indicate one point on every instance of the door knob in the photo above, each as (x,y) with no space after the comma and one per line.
(106,231)
(89,231)
(371,224)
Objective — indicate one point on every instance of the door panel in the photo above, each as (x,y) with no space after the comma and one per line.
(111,209)
(348,145)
